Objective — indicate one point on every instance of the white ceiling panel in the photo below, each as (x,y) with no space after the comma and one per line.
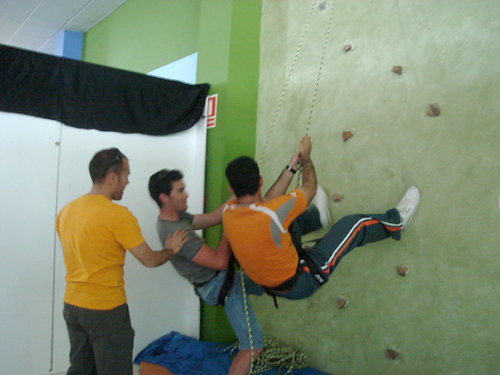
(75,4)
(40,31)
(24,45)
(29,39)
(9,23)
(28,4)
(48,47)
(35,24)
(5,35)
(15,12)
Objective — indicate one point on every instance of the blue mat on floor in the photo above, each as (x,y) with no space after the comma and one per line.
(183,355)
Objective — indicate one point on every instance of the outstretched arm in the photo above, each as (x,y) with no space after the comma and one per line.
(203,221)
(217,258)
(309,183)
(150,258)
(283,181)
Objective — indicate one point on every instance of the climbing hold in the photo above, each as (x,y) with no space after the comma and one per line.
(346,135)
(403,270)
(392,353)
(348,47)
(433,110)
(337,197)
(323,5)
(398,69)
(342,303)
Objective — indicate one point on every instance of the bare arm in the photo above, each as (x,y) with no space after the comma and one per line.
(202,221)
(150,258)
(309,183)
(283,181)
(217,258)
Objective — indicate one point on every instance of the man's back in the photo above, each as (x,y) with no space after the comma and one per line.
(260,240)
(95,233)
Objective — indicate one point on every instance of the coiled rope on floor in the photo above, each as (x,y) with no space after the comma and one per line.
(275,355)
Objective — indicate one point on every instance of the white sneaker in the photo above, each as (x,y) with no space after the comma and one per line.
(408,206)
(321,201)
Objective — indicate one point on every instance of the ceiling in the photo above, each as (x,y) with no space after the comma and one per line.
(35,24)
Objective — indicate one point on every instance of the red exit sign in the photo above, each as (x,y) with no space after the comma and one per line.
(211,110)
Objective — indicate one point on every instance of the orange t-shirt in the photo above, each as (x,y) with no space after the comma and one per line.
(260,240)
(94,234)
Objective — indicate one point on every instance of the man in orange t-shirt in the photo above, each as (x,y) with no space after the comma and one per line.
(265,231)
(95,234)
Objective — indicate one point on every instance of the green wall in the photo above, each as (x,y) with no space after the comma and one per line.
(228,59)
(143,35)
(443,316)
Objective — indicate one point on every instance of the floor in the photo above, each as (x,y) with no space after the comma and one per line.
(136,371)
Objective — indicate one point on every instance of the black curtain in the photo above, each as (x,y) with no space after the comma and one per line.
(91,96)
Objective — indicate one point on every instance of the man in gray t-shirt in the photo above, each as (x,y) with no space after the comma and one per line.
(205,267)
(195,273)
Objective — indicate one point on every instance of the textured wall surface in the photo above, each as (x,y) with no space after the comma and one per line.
(443,316)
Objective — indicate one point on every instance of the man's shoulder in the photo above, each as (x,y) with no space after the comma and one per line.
(294,194)
(184,215)
(171,226)
(97,204)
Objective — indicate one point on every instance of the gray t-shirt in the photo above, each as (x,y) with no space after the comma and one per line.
(182,261)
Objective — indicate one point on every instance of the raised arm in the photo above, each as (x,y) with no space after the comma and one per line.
(217,258)
(284,179)
(150,258)
(203,221)
(309,183)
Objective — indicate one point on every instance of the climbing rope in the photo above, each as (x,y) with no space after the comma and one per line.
(287,81)
(245,301)
(280,102)
(299,176)
(275,355)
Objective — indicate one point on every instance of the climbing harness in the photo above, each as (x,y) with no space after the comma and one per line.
(305,261)
(318,275)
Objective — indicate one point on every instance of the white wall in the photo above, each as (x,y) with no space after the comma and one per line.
(44,165)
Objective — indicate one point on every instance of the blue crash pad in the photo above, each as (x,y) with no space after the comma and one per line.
(183,355)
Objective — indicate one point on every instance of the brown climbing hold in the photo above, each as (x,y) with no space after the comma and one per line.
(392,353)
(337,197)
(347,47)
(342,303)
(346,135)
(403,270)
(398,69)
(433,110)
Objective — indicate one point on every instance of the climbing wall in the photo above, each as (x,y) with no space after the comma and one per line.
(416,86)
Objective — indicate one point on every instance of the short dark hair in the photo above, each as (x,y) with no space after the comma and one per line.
(161,182)
(105,162)
(243,176)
